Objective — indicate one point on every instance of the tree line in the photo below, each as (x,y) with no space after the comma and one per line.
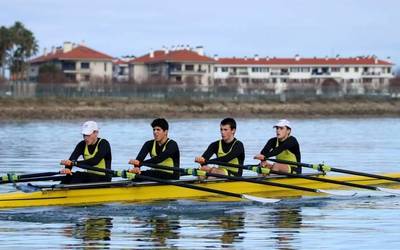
(17,45)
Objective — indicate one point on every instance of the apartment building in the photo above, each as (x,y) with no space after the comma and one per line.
(78,63)
(180,64)
(283,73)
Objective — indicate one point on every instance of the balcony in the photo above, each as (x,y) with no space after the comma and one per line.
(371,73)
(187,72)
(279,73)
(238,73)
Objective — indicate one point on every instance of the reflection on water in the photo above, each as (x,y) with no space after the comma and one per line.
(92,231)
(291,224)
(158,230)
(232,226)
(286,223)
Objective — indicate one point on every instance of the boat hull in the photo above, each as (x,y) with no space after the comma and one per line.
(145,192)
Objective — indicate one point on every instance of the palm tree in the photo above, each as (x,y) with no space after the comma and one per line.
(24,46)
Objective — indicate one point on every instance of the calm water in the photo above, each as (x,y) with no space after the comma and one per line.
(370,145)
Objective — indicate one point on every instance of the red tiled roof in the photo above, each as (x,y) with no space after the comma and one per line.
(173,56)
(304,61)
(80,52)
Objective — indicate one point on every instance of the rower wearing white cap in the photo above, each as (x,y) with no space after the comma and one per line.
(284,147)
(96,152)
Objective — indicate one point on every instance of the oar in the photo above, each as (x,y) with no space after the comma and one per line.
(235,178)
(387,190)
(325,168)
(11,177)
(126,174)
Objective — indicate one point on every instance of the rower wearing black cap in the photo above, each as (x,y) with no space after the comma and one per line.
(163,151)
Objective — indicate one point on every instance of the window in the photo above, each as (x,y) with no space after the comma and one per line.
(366,69)
(367,80)
(296,69)
(346,69)
(335,69)
(176,67)
(224,69)
(215,69)
(259,69)
(189,67)
(105,67)
(355,69)
(68,65)
(85,65)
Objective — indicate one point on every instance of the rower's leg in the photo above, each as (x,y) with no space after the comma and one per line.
(221,171)
(281,167)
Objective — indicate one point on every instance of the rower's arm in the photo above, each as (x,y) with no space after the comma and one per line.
(170,150)
(288,144)
(236,152)
(146,148)
(211,150)
(104,149)
(78,151)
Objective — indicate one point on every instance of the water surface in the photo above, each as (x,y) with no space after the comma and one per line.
(369,145)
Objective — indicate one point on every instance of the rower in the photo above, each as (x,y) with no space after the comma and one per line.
(228,149)
(163,151)
(284,147)
(96,152)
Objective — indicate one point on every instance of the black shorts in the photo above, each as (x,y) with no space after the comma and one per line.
(84,177)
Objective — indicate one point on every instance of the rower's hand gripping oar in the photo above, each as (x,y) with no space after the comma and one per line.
(126,174)
(343,183)
(197,172)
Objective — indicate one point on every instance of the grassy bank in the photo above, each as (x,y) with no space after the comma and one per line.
(28,109)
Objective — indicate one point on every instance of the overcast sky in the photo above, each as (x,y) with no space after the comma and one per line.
(227,28)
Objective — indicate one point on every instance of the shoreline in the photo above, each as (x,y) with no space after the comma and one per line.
(69,109)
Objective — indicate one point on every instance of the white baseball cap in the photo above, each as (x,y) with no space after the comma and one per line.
(283,123)
(89,127)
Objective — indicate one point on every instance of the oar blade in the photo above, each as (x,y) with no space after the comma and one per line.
(338,192)
(389,190)
(259,199)
(27,188)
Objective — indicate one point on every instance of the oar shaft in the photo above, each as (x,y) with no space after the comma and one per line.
(339,170)
(46,178)
(235,178)
(306,177)
(185,185)
(24,176)
(324,180)
(16,178)
(180,184)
